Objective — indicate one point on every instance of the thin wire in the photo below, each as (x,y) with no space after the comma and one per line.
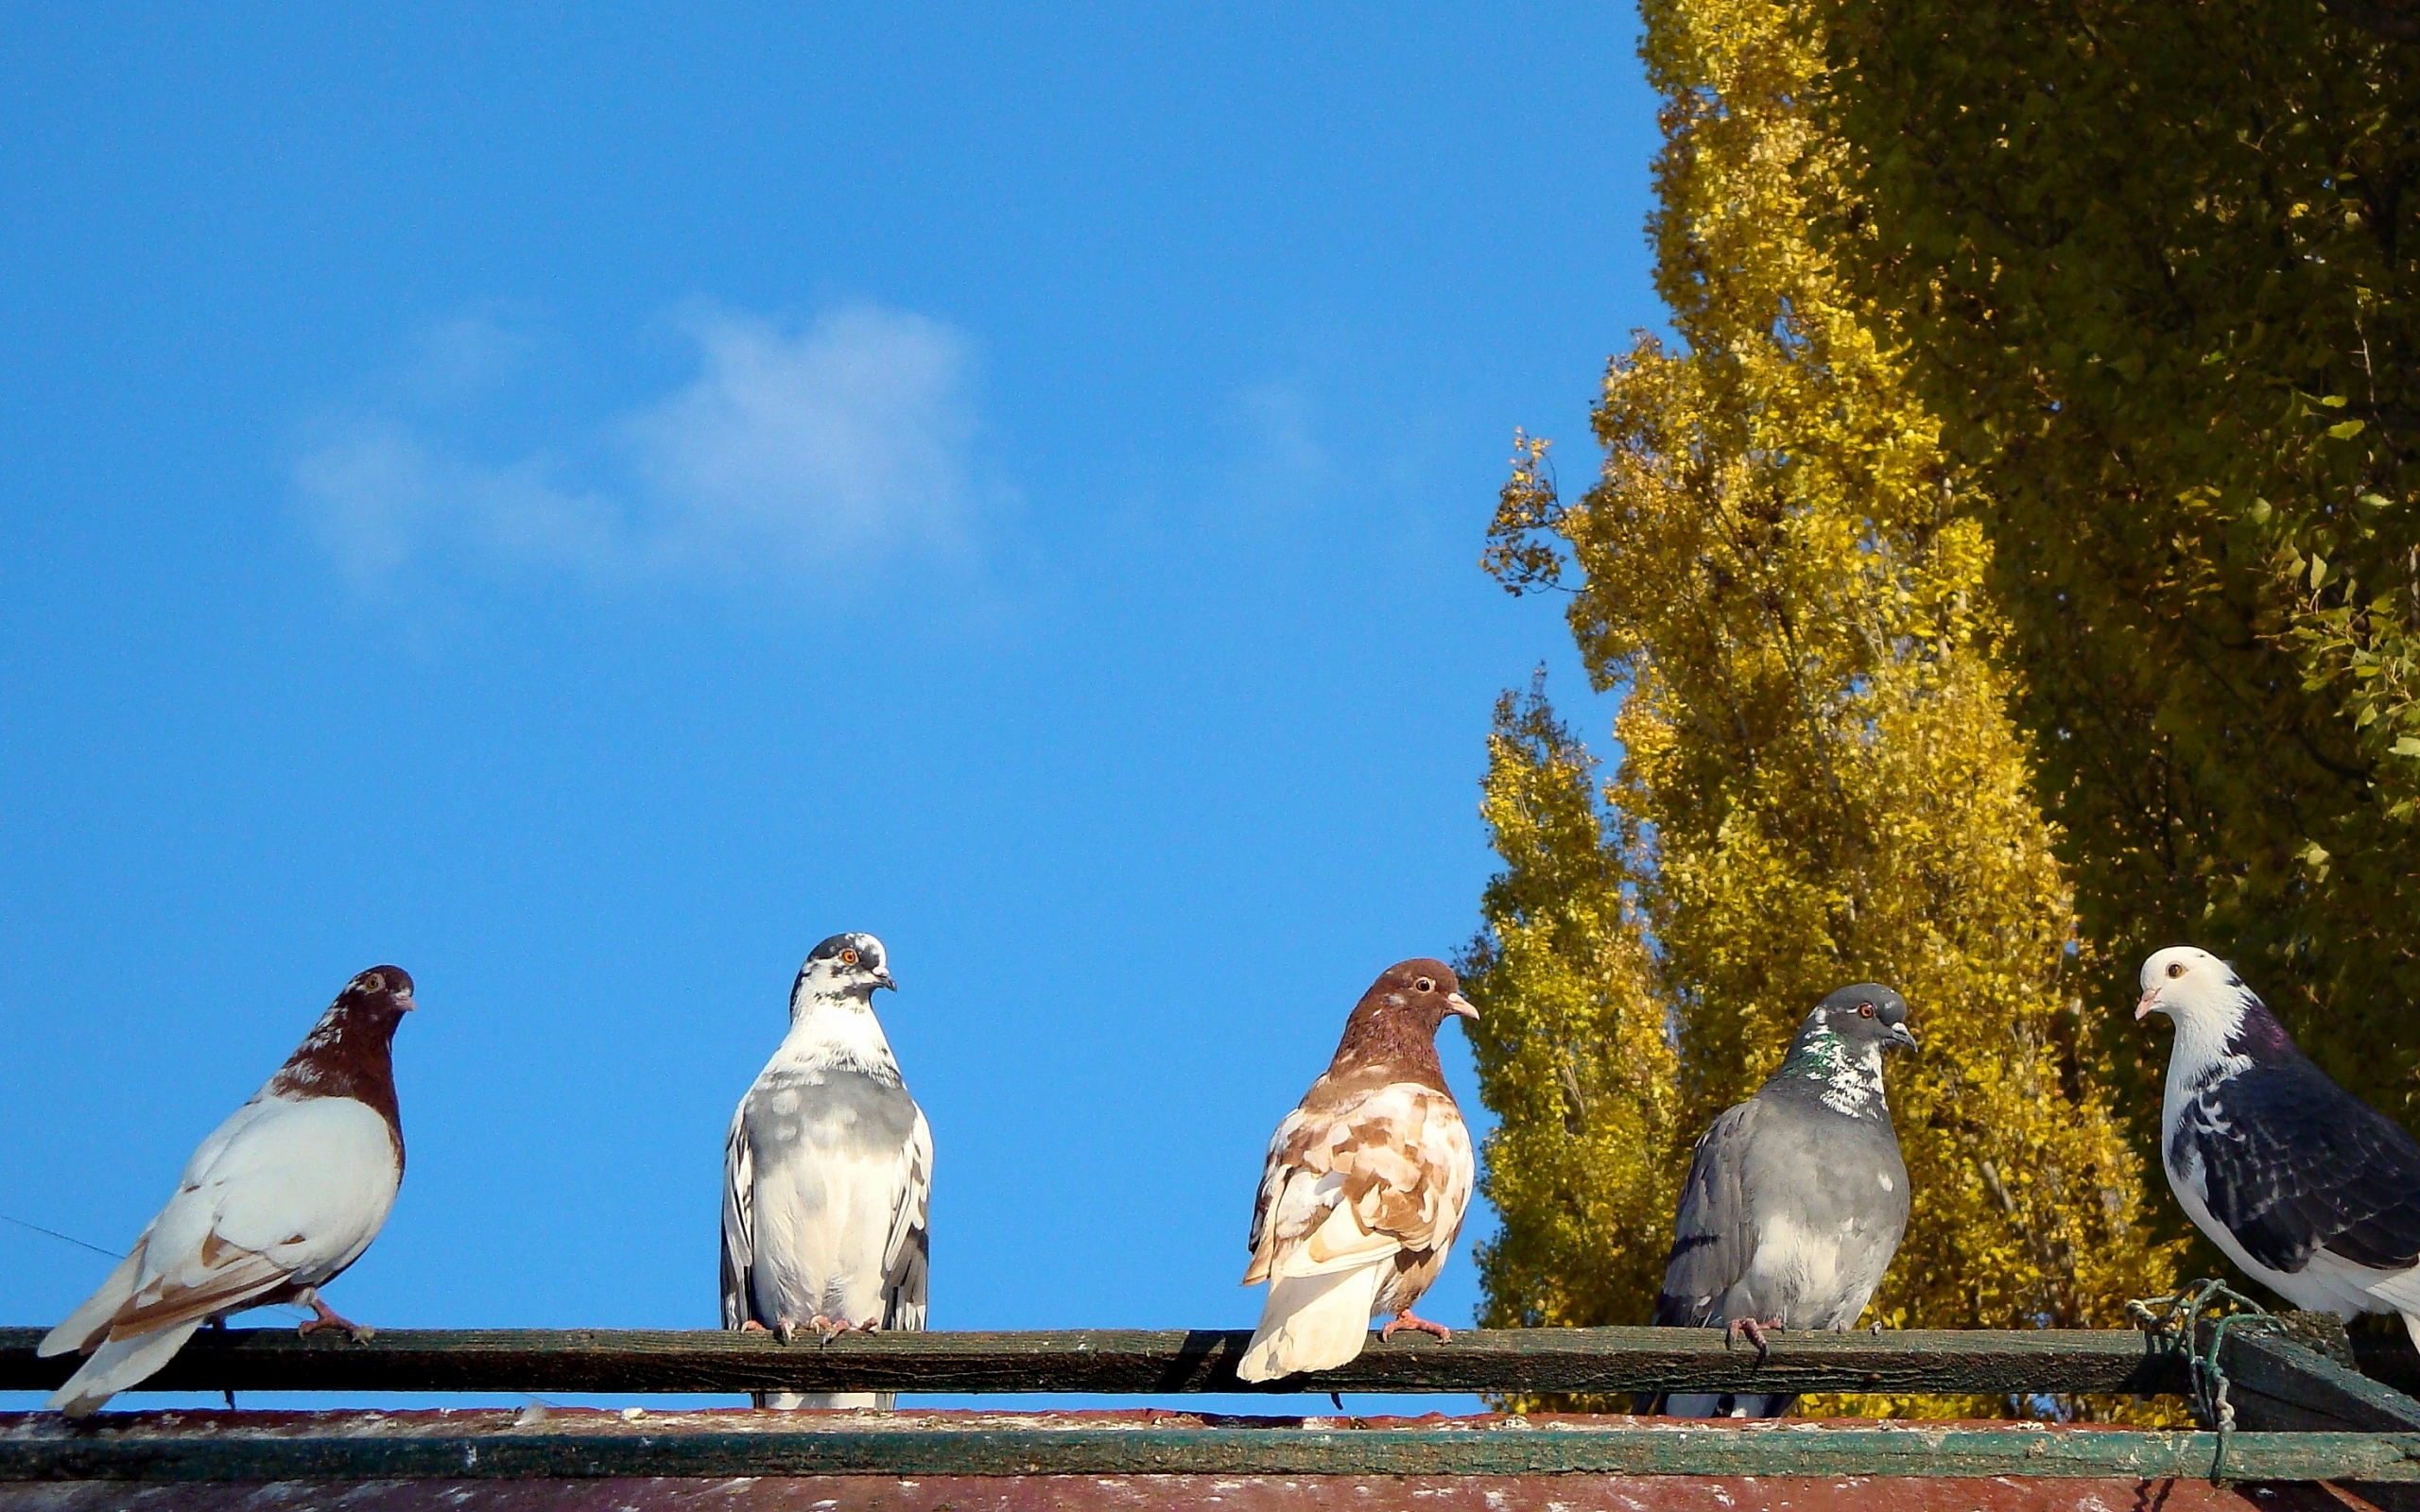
(112,1254)
(55,1234)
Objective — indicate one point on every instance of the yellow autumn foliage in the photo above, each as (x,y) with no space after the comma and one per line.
(1780,571)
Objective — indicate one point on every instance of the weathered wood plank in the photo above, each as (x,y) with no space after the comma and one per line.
(1132,1361)
(2279,1383)
(1776,1449)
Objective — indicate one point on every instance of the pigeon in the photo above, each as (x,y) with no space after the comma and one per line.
(1795,1199)
(827,1174)
(2313,1193)
(1366,1184)
(276,1203)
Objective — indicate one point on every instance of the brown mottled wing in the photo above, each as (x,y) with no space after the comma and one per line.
(1389,1170)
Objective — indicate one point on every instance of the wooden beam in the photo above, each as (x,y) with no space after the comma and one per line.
(662,1448)
(1133,1361)
(2278,1383)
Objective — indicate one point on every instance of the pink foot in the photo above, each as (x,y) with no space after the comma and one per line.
(1417,1325)
(323,1316)
(751,1326)
(1754,1332)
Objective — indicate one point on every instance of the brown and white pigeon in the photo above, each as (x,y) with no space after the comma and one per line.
(276,1203)
(1366,1183)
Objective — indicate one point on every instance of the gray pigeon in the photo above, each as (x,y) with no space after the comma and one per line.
(827,1174)
(1796,1198)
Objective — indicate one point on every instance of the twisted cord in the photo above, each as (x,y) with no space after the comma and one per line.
(2172,1319)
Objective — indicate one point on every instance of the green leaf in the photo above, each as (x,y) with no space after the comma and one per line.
(2407,745)
(2334,400)
(2347,430)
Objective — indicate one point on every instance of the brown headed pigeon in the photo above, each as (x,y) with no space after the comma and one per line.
(1366,1183)
(827,1173)
(275,1204)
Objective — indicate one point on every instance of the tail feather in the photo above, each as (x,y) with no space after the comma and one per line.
(1312,1322)
(118,1365)
(85,1327)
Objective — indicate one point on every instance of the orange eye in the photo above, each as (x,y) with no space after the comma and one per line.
(2176,968)
(849,958)
(1866,1010)
(1423,985)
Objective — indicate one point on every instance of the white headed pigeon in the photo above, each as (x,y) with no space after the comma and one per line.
(1796,1198)
(827,1173)
(1366,1183)
(276,1203)
(2314,1193)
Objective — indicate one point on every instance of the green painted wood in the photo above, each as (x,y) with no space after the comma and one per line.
(2278,1381)
(1780,1450)
(1133,1361)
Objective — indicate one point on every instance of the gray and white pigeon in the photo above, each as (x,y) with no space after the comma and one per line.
(1365,1185)
(273,1205)
(827,1173)
(1795,1199)
(2313,1192)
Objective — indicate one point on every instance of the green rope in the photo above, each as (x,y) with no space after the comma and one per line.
(2173,1320)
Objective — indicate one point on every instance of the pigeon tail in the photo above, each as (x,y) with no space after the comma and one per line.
(90,1323)
(1727,1404)
(117,1364)
(1313,1322)
(810,1401)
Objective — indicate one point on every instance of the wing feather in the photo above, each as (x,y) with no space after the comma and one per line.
(1713,1241)
(906,1257)
(738,1222)
(2293,1164)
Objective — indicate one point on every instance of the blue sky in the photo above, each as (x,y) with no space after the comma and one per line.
(584,509)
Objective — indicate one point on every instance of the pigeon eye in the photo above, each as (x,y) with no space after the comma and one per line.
(2176,968)
(1866,1010)
(849,958)
(1423,985)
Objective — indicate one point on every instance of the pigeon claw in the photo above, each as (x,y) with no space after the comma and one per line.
(1417,1325)
(1754,1332)
(751,1326)
(324,1316)
(828,1328)
(785,1329)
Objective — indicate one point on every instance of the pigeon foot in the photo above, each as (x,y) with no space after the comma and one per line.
(828,1328)
(785,1329)
(751,1326)
(324,1316)
(1756,1334)
(1417,1325)
(871,1325)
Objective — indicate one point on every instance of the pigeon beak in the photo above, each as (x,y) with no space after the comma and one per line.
(2147,1004)
(882,979)
(1462,1006)
(1902,1034)
(405,1000)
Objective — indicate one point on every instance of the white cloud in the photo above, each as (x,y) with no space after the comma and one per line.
(788,449)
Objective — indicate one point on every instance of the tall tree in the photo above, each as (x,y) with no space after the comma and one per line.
(2156,268)
(1782,574)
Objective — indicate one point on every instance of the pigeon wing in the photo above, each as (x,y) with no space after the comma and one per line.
(908,1256)
(297,1192)
(738,1221)
(1714,1237)
(2292,1163)
(1375,1176)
